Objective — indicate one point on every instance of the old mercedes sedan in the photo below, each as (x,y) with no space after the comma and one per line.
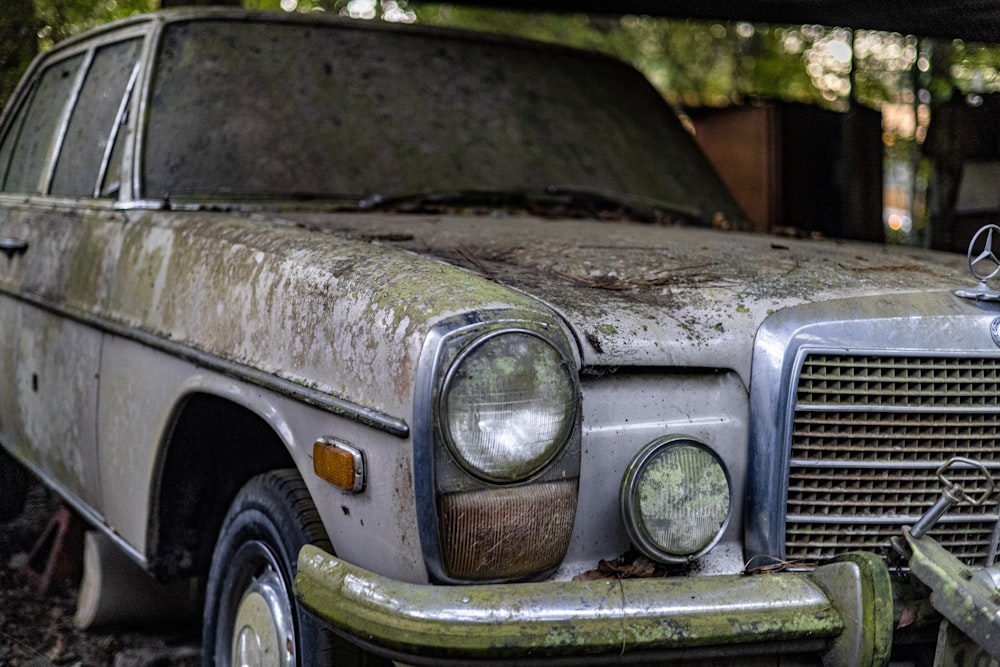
(418,345)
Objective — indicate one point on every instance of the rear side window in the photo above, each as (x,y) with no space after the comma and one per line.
(34,134)
(92,90)
(97,116)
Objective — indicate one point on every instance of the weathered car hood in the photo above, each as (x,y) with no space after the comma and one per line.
(646,295)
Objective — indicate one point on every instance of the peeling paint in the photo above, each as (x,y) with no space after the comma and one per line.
(348,317)
(645,294)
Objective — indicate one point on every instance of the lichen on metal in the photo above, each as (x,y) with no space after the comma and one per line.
(569,618)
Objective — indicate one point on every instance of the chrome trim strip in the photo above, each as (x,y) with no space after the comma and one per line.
(864,465)
(117,129)
(49,170)
(333,404)
(134,153)
(895,408)
(888,520)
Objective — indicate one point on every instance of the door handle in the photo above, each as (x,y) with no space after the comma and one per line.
(11,247)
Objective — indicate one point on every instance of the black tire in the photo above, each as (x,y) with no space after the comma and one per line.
(252,569)
(14,483)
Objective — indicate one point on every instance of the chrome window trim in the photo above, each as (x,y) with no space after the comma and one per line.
(121,120)
(48,172)
(134,153)
(20,106)
(88,44)
(929,324)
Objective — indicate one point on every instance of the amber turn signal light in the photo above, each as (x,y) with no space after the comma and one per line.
(339,464)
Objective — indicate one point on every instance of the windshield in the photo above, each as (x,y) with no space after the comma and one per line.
(258,109)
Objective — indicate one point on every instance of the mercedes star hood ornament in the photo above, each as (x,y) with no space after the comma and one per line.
(984,264)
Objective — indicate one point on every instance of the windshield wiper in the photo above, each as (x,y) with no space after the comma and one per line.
(443,199)
(603,204)
(195,199)
(552,201)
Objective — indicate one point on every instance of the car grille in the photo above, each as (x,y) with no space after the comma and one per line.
(868,436)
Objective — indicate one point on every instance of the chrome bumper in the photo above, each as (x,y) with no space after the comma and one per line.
(842,611)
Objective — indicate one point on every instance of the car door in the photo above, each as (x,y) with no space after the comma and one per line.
(59,238)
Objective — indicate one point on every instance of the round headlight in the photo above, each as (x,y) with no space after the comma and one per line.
(676,500)
(508,406)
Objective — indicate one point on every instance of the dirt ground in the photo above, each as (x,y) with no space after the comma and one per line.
(38,631)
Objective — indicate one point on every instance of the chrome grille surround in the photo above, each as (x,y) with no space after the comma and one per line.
(868,434)
(846,436)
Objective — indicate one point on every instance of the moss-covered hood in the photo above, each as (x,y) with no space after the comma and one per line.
(638,294)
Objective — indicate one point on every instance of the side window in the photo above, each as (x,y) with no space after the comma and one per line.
(97,117)
(7,145)
(35,133)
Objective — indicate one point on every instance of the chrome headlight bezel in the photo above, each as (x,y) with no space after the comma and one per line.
(449,497)
(632,505)
(551,403)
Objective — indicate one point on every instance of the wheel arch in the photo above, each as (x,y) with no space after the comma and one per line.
(211,447)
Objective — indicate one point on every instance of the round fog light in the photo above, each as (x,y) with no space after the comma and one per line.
(676,500)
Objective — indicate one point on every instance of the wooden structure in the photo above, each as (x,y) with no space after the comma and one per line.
(798,168)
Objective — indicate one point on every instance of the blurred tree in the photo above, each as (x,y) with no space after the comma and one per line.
(698,63)
(198,3)
(59,19)
(17,43)
(30,26)
(693,63)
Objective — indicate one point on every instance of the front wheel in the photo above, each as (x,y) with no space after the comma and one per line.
(251,617)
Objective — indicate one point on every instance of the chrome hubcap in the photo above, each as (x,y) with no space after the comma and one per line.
(264,634)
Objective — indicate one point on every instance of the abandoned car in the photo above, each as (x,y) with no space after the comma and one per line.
(426,346)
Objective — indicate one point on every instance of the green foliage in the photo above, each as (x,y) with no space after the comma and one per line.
(697,63)
(975,67)
(692,63)
(17,43)
(30,26)
(59,19)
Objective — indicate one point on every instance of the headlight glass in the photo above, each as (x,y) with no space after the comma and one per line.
(508,406)
(676,500)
